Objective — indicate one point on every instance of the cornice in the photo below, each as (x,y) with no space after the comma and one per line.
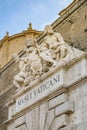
(67,12)
(64,14)
(68,8)
(29,31)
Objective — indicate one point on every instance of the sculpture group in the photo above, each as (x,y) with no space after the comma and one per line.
(39,59)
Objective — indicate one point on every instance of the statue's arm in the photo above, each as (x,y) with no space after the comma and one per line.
(59,38)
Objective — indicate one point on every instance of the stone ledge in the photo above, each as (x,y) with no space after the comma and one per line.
(20,121)
(58,21)
(70,127)
(58,100)
(59,122)
(65,108)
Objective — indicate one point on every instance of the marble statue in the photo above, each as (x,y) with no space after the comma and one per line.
(53,48)
(47,55)
(29,42)
(39,59)
(30,66)
(33,57)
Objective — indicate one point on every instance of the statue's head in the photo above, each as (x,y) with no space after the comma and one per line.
(48,29)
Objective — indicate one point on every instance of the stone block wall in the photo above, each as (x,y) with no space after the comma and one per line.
(79,97)
(73,25)
(65,111)
(6,89)
(46,116)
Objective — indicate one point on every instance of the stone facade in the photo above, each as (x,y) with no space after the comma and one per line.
(63,109)
(55,102)
(14,44)
(72,24)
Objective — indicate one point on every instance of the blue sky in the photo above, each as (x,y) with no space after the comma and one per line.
(15,15)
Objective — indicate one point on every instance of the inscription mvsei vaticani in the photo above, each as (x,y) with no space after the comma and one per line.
(38,93)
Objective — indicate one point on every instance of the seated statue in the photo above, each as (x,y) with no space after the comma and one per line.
(53,39)
(53,47)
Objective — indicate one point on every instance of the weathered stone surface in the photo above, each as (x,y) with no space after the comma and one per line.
(68,26)
(66,107)
(23,127)
(69,127)
(43,115)
(20,121)
(29,122)
(35,118)
(58,100)
(11,111)
(40,91)
(81,126)
(10,127)
(59,122)
(11,44)
(69,23)
(83,90)
(18,128)
(32,119)
(49,118)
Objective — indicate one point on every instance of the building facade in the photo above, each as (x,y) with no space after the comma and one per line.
(55,99)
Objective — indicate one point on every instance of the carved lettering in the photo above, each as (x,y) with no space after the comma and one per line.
(38,91)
